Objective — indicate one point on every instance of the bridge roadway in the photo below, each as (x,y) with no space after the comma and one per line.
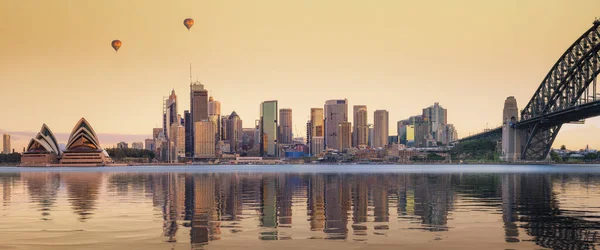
(568,115)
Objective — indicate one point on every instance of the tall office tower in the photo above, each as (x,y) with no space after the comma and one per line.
(344,136)
(336,112)
(317,121)
(6,144)
(360,132)
(224,136)
(189,138)
(285,123)
(172,108)
(437,116)
(178,138)
(380,128)
(235,132)
(205,135)
(214,108)
(401,129)
(370,135)
(198,106)
(308,134)
(268,129)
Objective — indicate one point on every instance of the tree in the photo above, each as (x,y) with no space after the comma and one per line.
(590,156)
(555,157)
(563,147)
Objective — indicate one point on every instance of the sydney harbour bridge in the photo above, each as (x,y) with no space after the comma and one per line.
(566,95)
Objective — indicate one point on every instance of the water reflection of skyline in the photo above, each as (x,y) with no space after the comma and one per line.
(201,208)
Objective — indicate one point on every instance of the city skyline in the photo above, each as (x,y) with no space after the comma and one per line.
(69,67)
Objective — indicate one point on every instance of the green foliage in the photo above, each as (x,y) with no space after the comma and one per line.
(555,157)
(10,158)
(121,153)
(475,150)
(563,147)
(435,157)
(590,156)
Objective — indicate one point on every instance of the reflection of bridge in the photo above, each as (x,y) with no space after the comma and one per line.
(567,94)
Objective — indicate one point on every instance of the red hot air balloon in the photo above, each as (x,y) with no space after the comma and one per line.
(116,44)
(188,22)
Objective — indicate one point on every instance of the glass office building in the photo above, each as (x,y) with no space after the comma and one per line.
(268,129)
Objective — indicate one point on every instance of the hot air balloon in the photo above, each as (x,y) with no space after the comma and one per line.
(116,44)
(188,22)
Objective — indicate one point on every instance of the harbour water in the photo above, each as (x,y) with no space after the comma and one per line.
(301,207)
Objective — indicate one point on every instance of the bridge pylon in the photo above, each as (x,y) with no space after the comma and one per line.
(512,138)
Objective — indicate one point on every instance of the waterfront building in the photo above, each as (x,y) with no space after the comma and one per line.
(437,116)
(42,149)
(308,134)
(360,132)
(248,142)
(6,144)
(422,132)
(317,129)
(285,123)
(336,112)
(137,145)
(178,139)
(122,145)
(235,132)
(401,129)
(410,135)
(344,136)
(317,145)
(204,139)
(380,128)
(198,107)
(268,129)
(83,147)
(189,136)
(214,109)
(223,129)
(371,135)
(149,144)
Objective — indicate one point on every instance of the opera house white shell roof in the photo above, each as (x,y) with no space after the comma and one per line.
(44,141)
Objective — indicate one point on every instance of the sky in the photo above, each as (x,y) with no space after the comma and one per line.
(57,65)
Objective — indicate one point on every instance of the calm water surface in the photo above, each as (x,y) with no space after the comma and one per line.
(300,207)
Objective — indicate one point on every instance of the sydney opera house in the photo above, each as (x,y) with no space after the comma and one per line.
(82,149)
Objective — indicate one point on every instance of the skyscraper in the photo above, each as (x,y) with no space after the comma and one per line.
(205,135)
(6,144)
(189,136)
(360,132)
(234,132)
(401,128)
(437,116)
(285,118)
(214,108)
(380,128)
(178,138)
(344,136)
(198,107)
(317,129)
(268,129)
(336,112)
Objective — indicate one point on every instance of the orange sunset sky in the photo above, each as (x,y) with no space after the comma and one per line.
(56,63)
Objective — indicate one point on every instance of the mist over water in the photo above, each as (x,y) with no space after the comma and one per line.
(299,207)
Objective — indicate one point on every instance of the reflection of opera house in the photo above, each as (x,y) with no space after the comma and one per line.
(82,149)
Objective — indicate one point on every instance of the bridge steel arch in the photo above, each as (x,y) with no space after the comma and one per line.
(566,86)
